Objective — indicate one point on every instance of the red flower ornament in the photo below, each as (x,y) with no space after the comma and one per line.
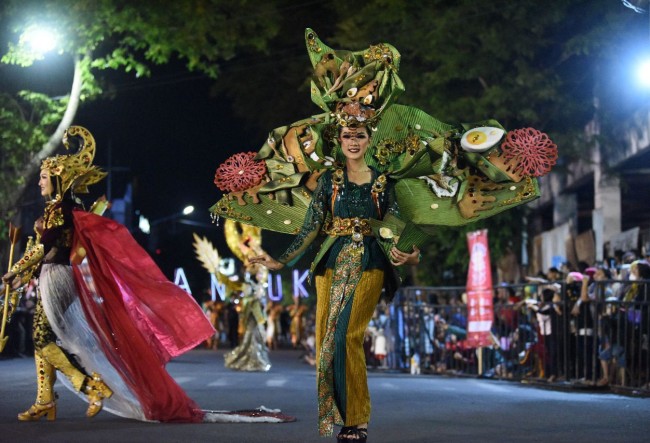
(239,172)
(532,150)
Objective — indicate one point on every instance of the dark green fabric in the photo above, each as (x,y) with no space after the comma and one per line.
(339,357)
(353,201)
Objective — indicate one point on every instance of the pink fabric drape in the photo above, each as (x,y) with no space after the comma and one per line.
(142,319)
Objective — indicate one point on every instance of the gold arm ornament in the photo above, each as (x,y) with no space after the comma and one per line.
(14,234)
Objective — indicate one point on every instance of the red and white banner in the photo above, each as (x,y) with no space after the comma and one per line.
(480,312)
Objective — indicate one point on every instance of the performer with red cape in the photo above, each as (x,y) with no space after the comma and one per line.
(110,320)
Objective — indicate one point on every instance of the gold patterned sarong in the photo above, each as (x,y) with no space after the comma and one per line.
(346,301)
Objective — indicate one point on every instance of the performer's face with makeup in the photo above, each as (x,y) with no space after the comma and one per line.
(45,183)
(354,142)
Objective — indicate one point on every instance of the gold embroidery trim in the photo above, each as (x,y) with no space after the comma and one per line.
(341,227)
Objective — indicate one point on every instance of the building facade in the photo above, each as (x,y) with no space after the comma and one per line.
(598,207)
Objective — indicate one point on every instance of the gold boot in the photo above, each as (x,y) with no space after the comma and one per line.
(45,397)
(97,391)
(36,411)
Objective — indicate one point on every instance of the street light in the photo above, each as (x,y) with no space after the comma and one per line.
(145,225)
(150,227)
(40,40)
(643,73)
(643,69)
(33,44)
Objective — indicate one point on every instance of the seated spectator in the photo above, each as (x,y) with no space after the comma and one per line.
(524,342)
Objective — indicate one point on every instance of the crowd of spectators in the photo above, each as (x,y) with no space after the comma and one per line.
(586,326)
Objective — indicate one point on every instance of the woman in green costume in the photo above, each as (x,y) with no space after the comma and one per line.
(438,174)
(349,281)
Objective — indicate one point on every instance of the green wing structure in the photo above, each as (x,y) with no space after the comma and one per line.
(442,174)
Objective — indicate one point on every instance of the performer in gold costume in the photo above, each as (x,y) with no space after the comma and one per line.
(106,317)
(49,260)
(251,354)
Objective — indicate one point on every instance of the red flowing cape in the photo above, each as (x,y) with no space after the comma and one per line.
(141,319)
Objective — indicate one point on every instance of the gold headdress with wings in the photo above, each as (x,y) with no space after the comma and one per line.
(75,171)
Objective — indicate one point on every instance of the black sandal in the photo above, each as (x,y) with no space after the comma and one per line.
(342,436)
(351,434)
(362,435)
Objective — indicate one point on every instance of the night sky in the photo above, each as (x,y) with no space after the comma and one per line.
(170,138)
(167,136)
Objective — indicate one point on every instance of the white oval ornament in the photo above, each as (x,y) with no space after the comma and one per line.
(481,139)
(386,233)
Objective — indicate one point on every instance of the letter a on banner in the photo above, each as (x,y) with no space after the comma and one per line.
(181,281)
(480,313)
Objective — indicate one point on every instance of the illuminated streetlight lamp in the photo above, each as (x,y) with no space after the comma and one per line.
(643,69)
(33,44)
(146,226)
(150,227)
(39,40)
(643,73)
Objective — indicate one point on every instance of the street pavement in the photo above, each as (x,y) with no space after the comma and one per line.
(406,408)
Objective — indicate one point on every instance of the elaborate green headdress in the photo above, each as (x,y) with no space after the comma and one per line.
(353,87)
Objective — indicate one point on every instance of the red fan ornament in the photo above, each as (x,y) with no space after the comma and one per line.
(239,172)
(533,151)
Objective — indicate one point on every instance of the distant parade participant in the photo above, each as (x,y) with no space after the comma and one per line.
(252,353)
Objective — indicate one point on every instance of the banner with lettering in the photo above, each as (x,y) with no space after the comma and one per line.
(480,312)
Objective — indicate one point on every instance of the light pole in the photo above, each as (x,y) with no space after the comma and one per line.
(151,228)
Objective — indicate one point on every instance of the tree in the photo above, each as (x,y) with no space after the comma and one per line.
(116,35)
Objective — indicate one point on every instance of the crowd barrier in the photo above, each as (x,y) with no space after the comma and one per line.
(599,343)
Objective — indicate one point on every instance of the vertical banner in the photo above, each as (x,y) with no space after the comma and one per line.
(480,312)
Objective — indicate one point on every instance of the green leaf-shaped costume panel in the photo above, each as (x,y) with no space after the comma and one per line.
(438,179)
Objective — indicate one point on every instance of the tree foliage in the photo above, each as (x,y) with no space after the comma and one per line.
(112,35)
(525,63)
